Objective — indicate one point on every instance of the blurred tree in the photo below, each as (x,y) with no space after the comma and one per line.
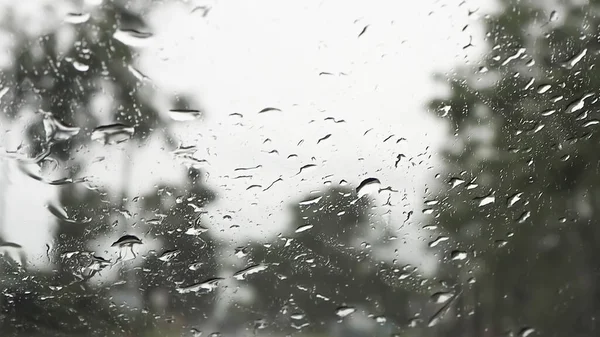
(80,74)
(324,264)
(521,194)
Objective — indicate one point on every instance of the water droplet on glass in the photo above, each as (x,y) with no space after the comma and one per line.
(242,274)
(441,297)
(456,182)
(127,240)
(80,66)
(438,241)
(183,115)
(323,138)
(575,59)
(268,109)
(543,88)
(7,244)
(485,200)
(112,133)
(553,16)
(168,255)
(304,228)
(132,38)
(368,186)
(310,201)
(204,287)
(77,18)
(513,199)
(458,255)
(500,243)
(344,311)
(527,331)
(55,130)
(524,216)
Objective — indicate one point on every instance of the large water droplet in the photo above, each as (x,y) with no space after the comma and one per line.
(205,286)
(55,130)
(127,240)
(438,241)
(132,38)
(112,133)
(183,115)
(441,297)
(485,200)
(368,186)
(303,228)
(344,311)
(168,255)
(458,255)
(527,331)
(77,18)
(242,274)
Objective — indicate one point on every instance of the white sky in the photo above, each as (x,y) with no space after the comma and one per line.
(245,56)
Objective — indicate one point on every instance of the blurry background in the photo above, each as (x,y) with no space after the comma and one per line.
(314,168)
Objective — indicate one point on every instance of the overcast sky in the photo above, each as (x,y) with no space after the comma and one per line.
(246,56)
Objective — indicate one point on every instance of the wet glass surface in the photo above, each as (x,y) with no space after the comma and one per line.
(311,168)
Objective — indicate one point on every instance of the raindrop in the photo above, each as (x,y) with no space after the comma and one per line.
(575,59)
(112,133)
(195,231)
(127,240)
(168,255)
(456,182)
(310,201)
(268,109)
(437,316)
(515,56)
(7,244)
(513,199)
(324,138)
(553,16)
(3,91)
(524,217)
(458,255)
(60,213)
(305,167)
(344,311)
(132,38)
(441,297)
(485,200)
(548,112)
(500,243)
(368,186)
(591,122)
(77,18)
(527,331)
(242,274)
(195,332)
(55,130)
(241,252)
(80,66)
(183,115)
(138,74)
(543,88)
(247,168)
(439,240)
(578,104)
(364,30)
(205,286)
(304,228)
